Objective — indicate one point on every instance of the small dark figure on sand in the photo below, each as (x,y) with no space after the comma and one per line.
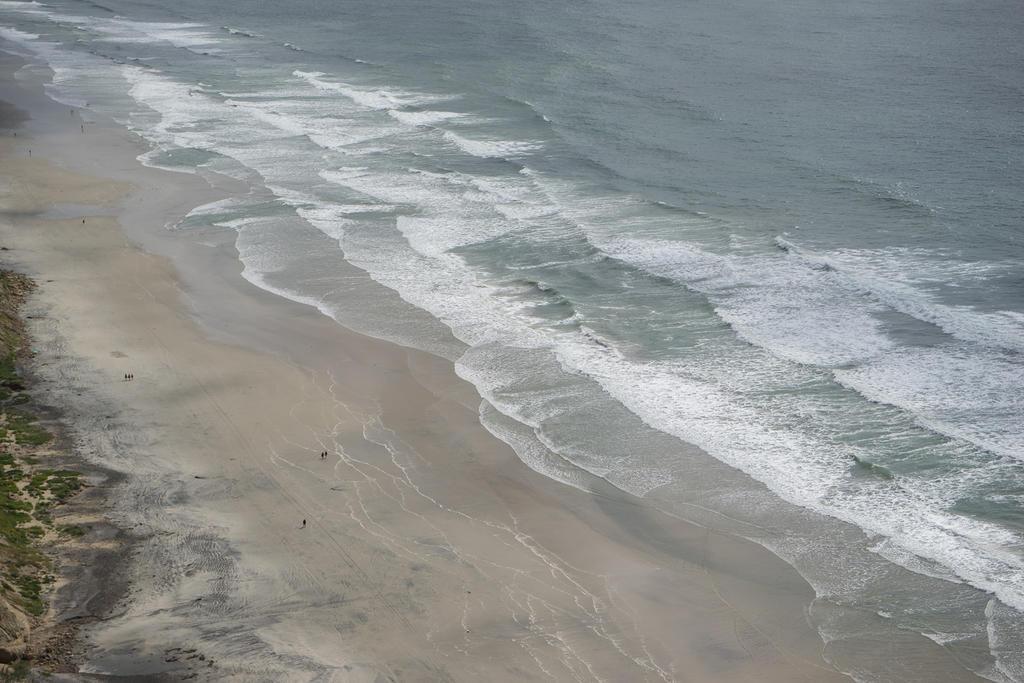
(303,524)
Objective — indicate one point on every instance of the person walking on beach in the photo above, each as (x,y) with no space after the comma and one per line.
(303,524)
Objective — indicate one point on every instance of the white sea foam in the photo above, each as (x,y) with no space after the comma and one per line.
(946,638)
(900,556)
(21,43)
(807,472)
(241,32)
(150,159)
(177,34)
(218,207)
(449,211)
(530,451)
(72,73)
(770,301)
(197,38)
(259,265)
(238,224)
(16,36)
(774,300)
(491,148)
(376,98)
(283,122)
(297,118)
(954,389)
(30,8)
(423,118)
(903,279)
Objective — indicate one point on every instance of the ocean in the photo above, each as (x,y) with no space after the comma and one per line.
(760,264)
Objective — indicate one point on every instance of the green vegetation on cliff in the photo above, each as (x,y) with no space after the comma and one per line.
(27,489)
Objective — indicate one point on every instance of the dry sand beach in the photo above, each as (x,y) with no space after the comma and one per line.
(430,552)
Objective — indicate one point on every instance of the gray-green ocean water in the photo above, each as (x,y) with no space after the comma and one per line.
(789,234)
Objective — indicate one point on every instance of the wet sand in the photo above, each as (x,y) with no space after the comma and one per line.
(430,552)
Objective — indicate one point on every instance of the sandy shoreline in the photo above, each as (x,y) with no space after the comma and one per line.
(430,552)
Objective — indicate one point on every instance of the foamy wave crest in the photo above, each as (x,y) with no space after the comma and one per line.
(954,390)
(422,118)
(1001,621)
(450,211)
(151,157)
(806,471)
(491,148)
(819,317)
(266,114)
(240,32)
(289,113)
(770,302)
(216,208)
(1000,329)
(370,99)
(19,38)
(183,35)
(180,107)
(31,8)
(901,279)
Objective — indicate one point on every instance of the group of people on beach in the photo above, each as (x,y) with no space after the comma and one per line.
(128,377)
